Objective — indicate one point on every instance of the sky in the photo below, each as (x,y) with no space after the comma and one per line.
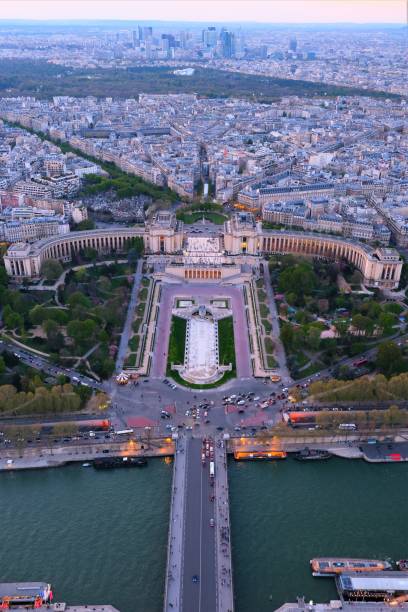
(267,11)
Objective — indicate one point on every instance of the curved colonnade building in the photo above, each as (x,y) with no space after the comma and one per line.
(242,236)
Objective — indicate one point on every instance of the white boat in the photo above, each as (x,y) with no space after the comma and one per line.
(86,465)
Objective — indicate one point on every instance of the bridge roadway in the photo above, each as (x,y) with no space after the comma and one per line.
(198,577)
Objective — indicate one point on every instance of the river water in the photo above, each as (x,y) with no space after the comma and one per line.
(285,513)
(100,537)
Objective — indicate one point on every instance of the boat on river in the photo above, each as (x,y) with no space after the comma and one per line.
(402,565)
(111,463)
(310,454)
(333,566)
(259,455)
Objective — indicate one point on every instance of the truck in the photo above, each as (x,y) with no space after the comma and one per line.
(212,469)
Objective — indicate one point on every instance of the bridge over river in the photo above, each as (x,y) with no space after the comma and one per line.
(199,568)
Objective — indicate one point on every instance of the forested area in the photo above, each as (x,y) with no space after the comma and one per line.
(41,79)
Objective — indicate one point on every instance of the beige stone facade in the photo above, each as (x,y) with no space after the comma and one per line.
(380,267)
(242,237)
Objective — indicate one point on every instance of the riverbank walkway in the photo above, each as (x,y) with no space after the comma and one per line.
(199,571)
(225,593)
(172,592)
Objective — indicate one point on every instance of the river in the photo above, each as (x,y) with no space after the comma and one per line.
(285,513)
(100,537)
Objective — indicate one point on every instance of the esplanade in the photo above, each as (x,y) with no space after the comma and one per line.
(242,236)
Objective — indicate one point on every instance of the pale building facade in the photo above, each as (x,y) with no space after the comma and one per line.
(242,237)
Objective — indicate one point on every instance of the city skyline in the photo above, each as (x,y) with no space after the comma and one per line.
(259,11)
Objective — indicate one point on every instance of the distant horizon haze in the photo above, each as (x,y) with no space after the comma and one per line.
(285,12)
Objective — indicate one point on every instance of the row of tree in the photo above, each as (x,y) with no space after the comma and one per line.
(60,398)
(363,389)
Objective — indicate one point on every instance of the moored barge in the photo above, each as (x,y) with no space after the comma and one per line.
(333,566)
(110,463)
(259,455)
(24,595)
(310,454)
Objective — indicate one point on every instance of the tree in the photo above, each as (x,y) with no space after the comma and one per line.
(65,429)
(78,299)
(313,338)
(133,256)
(14,321)
(86,224)
(54,337)
(51,269)
(287,335)
(389,357)
(82,332)
(37,315)
(361,323)
(387,320)
(341,327)
(394,416)
(2,365)
(299,279)
(50,327)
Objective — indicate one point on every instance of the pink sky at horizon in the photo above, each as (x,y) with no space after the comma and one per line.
(263,11)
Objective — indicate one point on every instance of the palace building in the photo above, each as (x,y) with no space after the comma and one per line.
(206,258)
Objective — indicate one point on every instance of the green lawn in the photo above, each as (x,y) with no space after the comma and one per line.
(268,345)
(136,324)
(143,294)
(177,343)
(177,378)
(271,361)
(264,310)
(134,343)
(226,350)
(226,344)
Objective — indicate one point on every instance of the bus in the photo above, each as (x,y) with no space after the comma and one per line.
(212,469)
(300,419)
(124,432)
(348,426)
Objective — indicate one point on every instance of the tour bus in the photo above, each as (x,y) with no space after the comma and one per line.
(212,469)
(348,426)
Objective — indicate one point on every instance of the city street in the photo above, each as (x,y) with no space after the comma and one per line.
(198,573)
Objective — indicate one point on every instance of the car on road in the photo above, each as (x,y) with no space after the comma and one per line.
(195,578)
(212,522)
